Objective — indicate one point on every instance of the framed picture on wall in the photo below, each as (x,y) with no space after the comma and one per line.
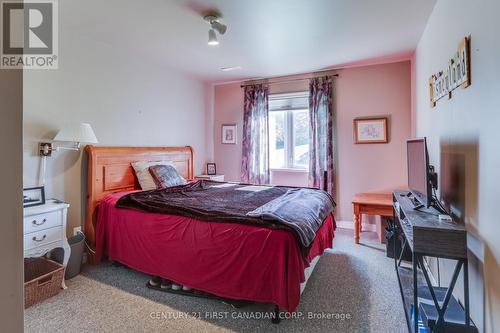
(33,196)
(229,134)
(370,130)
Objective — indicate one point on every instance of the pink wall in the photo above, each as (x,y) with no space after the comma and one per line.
(364,92)
(376,90)
(413,96)
(228,109)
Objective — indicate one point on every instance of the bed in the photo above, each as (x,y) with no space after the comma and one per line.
(236,261)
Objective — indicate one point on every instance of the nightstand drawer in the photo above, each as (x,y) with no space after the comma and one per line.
(41,250)
(42,237)
(42,221)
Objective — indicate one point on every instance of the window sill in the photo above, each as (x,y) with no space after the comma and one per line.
(290,170)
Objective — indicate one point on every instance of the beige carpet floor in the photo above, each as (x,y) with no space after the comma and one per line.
(352,289)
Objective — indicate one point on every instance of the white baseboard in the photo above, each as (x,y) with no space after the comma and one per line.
(350,225)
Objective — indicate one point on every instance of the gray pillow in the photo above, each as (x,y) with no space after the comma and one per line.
(166,176)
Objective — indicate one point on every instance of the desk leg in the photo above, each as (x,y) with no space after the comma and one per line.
(415,291)
(360,223)
(466,294)
(356,228)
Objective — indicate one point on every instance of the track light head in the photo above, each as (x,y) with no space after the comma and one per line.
(221,28)
(212,38)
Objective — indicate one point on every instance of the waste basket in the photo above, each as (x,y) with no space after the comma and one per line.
(75,259)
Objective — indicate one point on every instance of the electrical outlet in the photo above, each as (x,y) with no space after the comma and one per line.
(77,230)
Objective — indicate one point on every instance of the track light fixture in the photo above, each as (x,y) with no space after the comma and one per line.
(215,25)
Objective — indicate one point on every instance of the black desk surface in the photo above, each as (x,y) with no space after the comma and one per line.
(425,233)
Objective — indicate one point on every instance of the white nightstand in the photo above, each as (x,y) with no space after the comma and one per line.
(217,178)
(45,230)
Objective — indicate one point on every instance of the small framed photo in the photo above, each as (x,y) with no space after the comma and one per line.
(229,134)
(370,130)
(211,169)
(33,196)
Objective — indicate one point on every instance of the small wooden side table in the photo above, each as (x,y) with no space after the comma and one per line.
(372,204)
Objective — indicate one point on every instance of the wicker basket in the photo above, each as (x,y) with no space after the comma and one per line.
(42,280)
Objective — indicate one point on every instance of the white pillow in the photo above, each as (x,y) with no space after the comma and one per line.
(144,177)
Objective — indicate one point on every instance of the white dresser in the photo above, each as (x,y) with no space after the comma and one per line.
(45,230)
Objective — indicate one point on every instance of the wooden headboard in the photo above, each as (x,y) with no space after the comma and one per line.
(110,170)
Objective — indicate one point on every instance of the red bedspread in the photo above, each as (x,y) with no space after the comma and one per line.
(226,259)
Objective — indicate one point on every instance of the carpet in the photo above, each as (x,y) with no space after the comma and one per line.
(352,289)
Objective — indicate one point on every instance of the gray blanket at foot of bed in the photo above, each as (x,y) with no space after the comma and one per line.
(303,210)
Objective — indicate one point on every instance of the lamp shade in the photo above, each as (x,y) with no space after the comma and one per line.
(77,133)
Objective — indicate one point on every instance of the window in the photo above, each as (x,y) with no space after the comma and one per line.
(289,131)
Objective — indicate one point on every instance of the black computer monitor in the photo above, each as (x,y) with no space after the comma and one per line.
(418,171)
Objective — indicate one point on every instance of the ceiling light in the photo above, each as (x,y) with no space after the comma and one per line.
(212,38)
(228,69)
(215,25)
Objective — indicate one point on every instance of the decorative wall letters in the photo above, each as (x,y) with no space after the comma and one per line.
(456,74)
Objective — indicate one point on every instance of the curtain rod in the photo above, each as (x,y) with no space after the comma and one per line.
(249,83)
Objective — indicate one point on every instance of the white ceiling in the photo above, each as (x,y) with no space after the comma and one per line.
(265,37)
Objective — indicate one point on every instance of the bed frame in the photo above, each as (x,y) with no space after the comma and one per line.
(110,170)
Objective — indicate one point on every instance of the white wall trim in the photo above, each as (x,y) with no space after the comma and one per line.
(350,225)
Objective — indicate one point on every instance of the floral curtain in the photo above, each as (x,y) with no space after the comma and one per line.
(255,168)
(321,133)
